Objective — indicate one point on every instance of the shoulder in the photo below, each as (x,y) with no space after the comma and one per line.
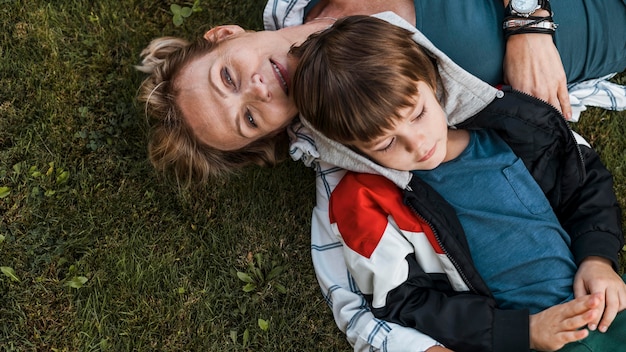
(361,206)
(358,192)
(284,13)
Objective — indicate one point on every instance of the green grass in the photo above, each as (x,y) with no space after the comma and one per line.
(81,201)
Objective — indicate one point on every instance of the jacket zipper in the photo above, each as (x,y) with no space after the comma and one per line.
(436,233)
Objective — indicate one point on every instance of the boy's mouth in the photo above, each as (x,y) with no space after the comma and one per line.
(428,155)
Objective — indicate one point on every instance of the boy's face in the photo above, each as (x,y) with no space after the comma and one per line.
(418,141)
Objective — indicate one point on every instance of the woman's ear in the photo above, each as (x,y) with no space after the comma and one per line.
(219,33)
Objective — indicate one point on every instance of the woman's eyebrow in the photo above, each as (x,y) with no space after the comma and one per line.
(212,83)
(238,124)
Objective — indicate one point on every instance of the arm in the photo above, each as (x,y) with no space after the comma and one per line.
(591,214)
(532,64)
(593,218)
(352,315)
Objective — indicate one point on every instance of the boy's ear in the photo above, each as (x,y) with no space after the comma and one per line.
(219,33)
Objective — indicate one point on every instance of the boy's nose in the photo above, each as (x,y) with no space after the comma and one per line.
(413,144)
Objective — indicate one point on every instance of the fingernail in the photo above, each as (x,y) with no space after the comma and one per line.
(592,327)
(603,328)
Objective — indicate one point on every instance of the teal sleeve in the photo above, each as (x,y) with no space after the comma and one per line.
(591,36)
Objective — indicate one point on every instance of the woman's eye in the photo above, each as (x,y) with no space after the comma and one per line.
(227,78)
(250,119)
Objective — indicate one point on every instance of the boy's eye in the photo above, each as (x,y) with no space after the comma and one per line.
(388,146)
(422,113)
(250,119)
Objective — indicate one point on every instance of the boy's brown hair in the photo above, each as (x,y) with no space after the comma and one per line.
(355,76)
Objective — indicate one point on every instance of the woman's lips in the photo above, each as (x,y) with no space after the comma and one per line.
(281,76)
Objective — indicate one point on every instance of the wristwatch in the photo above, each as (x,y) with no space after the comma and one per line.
(525,8)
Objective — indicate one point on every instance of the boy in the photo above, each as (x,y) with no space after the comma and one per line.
(377,92)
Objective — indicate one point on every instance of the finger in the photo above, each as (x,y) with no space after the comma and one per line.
(610,311)
(597,304)
(579,312)
(571,336)
(622,299)
(577,320)
(566,106)
(554,101)
(579,288)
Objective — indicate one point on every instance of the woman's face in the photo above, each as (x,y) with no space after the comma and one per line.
(239,91)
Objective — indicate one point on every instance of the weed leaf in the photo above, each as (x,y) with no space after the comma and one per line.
(177,19)
(175,9)
(76,282)
(244,277)
(264,324)
(8,271)
(274,273)
(249,288)
(246,338)
(63,177)
(185,12)
(4,192)
(280,288)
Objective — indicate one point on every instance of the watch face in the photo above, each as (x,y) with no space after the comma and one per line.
(524,6)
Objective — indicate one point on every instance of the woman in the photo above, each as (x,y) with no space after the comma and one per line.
(201,126)
(252,73)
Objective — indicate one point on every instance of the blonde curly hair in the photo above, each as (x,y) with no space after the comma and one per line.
(173,149)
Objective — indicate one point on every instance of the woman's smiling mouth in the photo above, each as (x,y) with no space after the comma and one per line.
(281,74)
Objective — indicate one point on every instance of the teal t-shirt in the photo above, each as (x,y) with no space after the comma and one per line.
(515,239)
(591,35)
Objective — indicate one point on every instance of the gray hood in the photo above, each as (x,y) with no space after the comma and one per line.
(465,96)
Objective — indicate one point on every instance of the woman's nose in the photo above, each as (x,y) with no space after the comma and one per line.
(258,89)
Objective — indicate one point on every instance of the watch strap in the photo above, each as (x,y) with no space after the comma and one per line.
(515,23)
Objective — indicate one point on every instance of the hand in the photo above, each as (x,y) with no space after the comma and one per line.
(532,64)
(556,326)
(438,349)
(596,275)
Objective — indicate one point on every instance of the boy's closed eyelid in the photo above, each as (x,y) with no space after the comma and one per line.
(388,143)
(388,147)
(418,113)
